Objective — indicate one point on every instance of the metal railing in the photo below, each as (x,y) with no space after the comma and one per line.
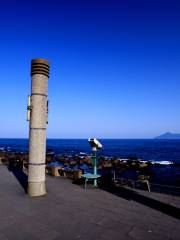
(150,186)
(169,189)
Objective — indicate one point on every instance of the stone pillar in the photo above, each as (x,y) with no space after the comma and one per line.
(37,127)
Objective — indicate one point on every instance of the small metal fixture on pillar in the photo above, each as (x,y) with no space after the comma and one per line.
(95,144)
(37,116)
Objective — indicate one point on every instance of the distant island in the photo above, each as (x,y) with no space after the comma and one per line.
(169,135)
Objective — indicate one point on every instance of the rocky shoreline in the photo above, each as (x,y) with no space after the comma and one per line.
(125,172)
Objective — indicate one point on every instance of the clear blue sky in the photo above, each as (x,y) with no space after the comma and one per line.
(115,66)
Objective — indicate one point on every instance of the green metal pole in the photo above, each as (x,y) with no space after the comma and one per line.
(95,166)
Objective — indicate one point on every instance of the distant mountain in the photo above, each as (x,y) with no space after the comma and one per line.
(169,135)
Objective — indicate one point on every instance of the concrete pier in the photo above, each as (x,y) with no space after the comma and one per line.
(71,213)
(37,127)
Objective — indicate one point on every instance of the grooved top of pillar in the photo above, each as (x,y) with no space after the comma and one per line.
(40,66)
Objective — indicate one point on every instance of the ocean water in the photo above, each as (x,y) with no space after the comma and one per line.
(157,150)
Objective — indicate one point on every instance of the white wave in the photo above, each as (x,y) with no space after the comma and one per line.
(162,162)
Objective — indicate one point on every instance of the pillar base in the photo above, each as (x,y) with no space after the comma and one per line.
(36,189)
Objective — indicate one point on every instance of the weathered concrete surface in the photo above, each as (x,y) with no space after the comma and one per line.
(164,198)
(70,212)
(37,134)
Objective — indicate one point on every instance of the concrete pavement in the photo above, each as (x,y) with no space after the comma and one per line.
(70,212)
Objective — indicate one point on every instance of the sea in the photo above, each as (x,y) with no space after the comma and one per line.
(146,149)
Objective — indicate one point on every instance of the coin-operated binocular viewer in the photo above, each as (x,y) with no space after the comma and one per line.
(37,111)
(95,145)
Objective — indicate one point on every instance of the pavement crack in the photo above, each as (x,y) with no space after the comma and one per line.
(130,230)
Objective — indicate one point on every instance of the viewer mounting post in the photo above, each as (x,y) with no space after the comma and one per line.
(37,115)
(95,144)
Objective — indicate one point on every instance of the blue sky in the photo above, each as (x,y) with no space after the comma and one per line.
(114,66)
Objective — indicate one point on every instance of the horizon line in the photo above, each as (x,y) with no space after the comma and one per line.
(82,138)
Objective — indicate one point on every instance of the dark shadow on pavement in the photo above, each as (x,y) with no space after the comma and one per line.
(20,176)
(130,194)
